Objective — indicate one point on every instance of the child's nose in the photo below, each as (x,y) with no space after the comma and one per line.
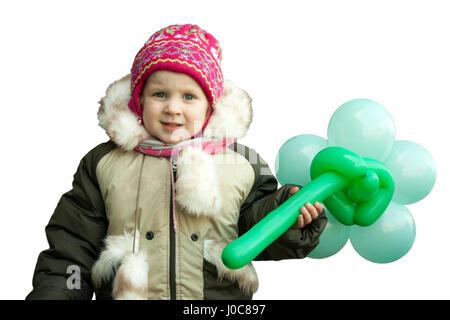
(173,106)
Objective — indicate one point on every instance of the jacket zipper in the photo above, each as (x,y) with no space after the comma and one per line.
(172,245)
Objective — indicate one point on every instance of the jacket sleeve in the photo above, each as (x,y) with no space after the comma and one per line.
(74,233)
(263,198)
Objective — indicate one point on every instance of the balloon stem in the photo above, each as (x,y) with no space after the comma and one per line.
(244,249)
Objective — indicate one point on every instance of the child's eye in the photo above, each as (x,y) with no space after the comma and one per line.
(188,96)
(160,95)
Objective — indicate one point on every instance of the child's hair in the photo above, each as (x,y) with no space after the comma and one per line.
(186,49)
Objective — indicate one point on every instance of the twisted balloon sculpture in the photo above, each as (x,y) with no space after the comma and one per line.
(357,191)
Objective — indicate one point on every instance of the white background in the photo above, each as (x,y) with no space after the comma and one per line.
(299,61)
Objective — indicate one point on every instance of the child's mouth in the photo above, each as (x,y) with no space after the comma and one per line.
(171,127)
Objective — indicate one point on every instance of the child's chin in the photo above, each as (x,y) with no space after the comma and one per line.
(177,136)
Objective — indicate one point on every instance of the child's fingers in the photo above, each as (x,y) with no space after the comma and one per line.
(319,207)
(307,213)
(293,190)
(312,210)
(300,220)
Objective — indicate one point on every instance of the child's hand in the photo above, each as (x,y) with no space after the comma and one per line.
(308,212)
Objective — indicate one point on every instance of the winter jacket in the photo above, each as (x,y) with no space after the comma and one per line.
(123,198)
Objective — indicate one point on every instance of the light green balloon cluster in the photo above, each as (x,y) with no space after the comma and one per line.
(357,189)
(361,186)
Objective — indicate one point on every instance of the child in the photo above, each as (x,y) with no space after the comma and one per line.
(152,209)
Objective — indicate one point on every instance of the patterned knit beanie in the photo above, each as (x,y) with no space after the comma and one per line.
(186,49)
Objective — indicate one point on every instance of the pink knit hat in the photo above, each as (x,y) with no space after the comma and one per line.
(186,49)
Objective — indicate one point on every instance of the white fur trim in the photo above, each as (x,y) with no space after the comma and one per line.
(197,189)
(130,281)
(232,114)
(231,117)
(120,124)
(246,276)
(116,247)
(131,278)
(135,266)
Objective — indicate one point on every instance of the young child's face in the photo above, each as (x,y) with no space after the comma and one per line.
(173,97)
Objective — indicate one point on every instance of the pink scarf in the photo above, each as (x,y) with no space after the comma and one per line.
(155,147)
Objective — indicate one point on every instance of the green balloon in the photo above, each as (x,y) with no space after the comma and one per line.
(355,190)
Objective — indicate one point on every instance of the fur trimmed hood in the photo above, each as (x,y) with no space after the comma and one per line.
(231,117)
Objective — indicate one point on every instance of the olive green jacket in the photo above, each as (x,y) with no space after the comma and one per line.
(121,200)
